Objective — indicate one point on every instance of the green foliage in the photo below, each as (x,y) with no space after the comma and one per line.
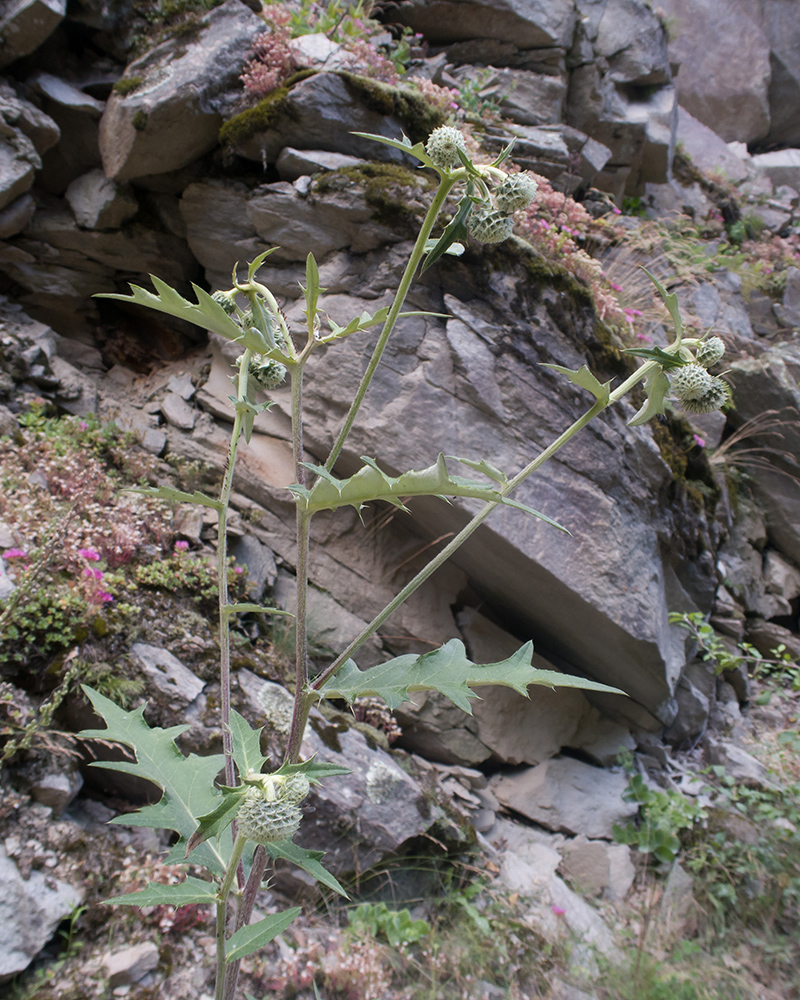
(396,926)
(195,577)
(663,815)
(747,864)
(50,620)
(448,670)
(473,97)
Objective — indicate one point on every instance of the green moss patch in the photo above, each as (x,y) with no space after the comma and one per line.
(418,117)
(254,120)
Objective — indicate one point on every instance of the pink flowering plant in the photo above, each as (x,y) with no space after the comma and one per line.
(235,828)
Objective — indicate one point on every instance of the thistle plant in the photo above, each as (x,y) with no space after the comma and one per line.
(235,827)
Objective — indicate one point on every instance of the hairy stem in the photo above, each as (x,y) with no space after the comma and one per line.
(222,913)
(243,914)
(222,571)
(476,521)
(417,254)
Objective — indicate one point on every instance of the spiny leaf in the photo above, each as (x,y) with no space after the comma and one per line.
(207,313)
(168,493)
(504,153)
(584,378)
(254,265)
(187,783)
(404,145)
(450,671)
(371,483)
(191,890)
(313,769)
(656,387)
(249,939)
(212,824)
(482,466)
(246,607)
(246,744)
(365,321)
(667,361)
(309,861)
(455,230)
(671,302)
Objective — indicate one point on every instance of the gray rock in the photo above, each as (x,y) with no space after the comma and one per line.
(320,113)
(780,577)
(56,789)
(767,636)
(30,120)
(7,585)
(178,412)
(706,149)
(218,229)
(76,392)
(30,912)
(100,203)
(16,216)
(738,764)
(724,74)
(64,93)
(18,163)
(175,682)
(260,562)
(678,909)
(782,29)
(174,115)
(789,310)
(598,868)
(25,24)
(632,41)
(567,795)
(526,23)
(294,163)
(122,968)
(694,708)
(435,729)
(527,98)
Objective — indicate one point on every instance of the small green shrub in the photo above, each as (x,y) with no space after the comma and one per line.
(663,815)
(397,926)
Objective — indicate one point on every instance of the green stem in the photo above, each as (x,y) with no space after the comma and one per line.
(222,913)
(417,254)
(476,521)
(222,571)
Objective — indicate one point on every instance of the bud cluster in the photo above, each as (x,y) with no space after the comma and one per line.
(265,372)
(696,389)
(271,808)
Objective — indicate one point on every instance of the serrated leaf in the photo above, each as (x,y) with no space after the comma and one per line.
(365,321)
(404,145)
(482,466)
(313,769)
(219,819)
(206,313)
(671,302)
(656,387)
(371,483)
(309,861)
(254,265)
(667,361)
(178,496)
(191,890)
(504,154)
(246,744)
(312,290)
(454,231)
(584,378)
(449,671)
(247,607)
(187,782)
(249,939)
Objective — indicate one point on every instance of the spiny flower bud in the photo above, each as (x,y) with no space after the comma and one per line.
(710,352)
(266,821)
(265,372)
(443,145)
(690,382)
(226,300)
(714,399)
(489,227)
(516,191)
(296,788)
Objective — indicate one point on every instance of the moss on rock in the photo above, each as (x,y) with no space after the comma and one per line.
(254,120)
(419,118)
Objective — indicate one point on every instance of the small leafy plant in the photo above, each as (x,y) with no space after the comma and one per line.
(397,926)
(662,816)
(231,829)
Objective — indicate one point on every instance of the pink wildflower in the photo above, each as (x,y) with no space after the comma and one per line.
(615,210)
(559,912)
(617,288)
(238,569)
(93,574)
(700,442)
(633,312)
(103,597)
(83,425)
(89,554)
(181,546)
(15,554)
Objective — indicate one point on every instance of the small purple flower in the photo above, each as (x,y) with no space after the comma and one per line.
(617,288)
(615,210)
(700,442)
(633,312)
(83,425)
(181,546)
(559,912)
(238,569)
(15,554)
(103,597)
(89,554)
(93,574)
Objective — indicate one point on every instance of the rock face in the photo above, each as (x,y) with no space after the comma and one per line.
(30,912)
(173,113)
